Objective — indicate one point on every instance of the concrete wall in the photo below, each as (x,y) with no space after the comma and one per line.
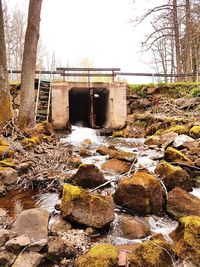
(117,106)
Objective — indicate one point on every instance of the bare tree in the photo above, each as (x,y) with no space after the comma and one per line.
(5,101)
(27,93)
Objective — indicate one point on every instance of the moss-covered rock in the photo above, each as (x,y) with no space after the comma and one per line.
(88,176)
(168,138)
(195,131)
(6,152)
(153,253)
(173,176)
(187,239)
(181,203)
(44,128)
(83,207)
(141,193)
(174,155)
(100,255)
(179,129)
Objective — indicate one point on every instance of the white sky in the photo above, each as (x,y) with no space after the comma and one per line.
(97,29)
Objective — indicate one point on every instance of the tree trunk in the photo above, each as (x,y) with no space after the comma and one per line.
(5,99)
(188,58)
(177,38)
(27,93)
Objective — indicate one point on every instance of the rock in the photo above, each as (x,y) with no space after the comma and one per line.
(116,166)
(6,152)
(4,218)
(2,189)
(100,255)
(133,227)
(59,248)
(28,259)
(8,175)
(168,138)
(180,204)
(33,223)
(153,140)
(17,243)
(4,236)
(141,193)
(84,152)
(174,155)
(152,253)
(7,258)
(85,208)
(88,176)
(187,239)
(74,162)
(117,154)
(181,140)
(60,226)
(173,176)
(195,131)
(87,142)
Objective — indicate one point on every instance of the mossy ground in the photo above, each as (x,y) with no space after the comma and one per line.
(100,255)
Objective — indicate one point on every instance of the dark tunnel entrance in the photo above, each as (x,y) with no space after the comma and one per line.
(88,107)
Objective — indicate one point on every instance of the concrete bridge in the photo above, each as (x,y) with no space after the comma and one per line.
(95,105)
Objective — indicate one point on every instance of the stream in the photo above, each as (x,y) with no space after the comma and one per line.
(16,201)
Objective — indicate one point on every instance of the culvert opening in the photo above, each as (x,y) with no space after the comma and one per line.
(88,107)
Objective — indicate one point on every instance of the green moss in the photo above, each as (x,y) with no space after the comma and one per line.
(30,142)
(6,152)
(118,134)
(195,131)
(153,253)
(191,231)
(7,163)
(3,142)
(100,255)
(71,192)
(180,129)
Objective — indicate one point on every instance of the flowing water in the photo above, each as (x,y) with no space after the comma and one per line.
(15,201)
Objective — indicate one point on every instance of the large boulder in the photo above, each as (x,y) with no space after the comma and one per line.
(33,223)
(187,239)
(116,166)
(18,243)
(173,176)
(152,253)
(88,176)
(85,208)
(174,155)
(100,255)
(141,193)
(8,175)
(181,203)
